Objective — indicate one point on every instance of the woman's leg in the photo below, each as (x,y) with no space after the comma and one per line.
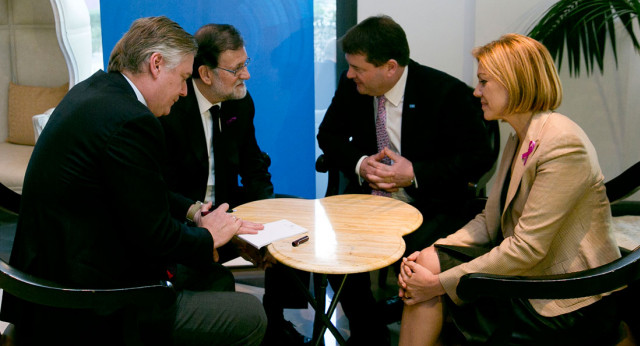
(422,323)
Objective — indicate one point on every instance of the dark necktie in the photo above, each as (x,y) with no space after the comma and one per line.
(215,135)
(382,137)
(215,119)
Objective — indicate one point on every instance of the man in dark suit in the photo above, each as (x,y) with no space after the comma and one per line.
(96,211)
(209,148)
(406,131)
(211,142)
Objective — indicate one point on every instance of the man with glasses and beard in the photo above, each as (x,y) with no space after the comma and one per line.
(211,142)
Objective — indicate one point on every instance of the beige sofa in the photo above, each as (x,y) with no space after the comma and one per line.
(35,72)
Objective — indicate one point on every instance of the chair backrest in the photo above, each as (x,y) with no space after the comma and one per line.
(479,188)
(625,184)
(45,292)
(337,181)
(606,278)
(621,187)
(9,199)
(73,29)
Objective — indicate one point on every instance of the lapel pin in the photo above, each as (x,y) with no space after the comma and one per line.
(525,156)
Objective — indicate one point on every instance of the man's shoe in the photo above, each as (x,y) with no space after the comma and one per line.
(283,333)
(390,310)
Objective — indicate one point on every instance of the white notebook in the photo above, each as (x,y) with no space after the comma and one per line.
(273,231)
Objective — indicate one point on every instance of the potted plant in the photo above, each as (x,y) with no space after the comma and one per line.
(582,26)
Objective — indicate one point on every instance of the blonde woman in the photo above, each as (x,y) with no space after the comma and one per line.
(547,213)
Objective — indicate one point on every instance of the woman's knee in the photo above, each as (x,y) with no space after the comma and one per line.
(428,258)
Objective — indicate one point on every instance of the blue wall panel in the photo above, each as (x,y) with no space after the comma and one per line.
(279,40)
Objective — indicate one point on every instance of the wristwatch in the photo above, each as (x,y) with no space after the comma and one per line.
(193,209)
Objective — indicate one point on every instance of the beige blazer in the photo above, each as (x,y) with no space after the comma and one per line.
(556,217)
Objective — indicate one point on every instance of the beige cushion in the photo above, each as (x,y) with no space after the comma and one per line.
(24,103)
(626,229)
(14,159)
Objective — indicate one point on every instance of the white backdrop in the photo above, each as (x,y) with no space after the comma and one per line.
(441,34)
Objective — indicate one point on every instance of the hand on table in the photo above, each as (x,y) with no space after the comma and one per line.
(223,226)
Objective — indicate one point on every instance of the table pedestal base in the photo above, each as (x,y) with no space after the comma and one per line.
(322,319)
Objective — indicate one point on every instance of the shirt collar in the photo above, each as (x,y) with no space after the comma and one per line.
(396,93)
(136,91)
(203,103)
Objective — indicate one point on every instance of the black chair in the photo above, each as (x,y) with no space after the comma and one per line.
(49,293)
(624,272)
(267,160)
(336,181)
(9,199)
(44,292)
(621,187)
(479,188)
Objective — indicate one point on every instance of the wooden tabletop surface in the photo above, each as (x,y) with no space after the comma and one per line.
(348,233)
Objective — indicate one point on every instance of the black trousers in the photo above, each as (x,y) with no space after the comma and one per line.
(280,292)
(208,311)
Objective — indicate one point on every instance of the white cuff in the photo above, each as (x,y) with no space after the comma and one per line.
(360,179)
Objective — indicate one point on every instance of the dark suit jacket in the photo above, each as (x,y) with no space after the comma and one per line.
(236,152)
(443,134)
(95,207)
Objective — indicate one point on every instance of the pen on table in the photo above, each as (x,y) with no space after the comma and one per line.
(206,212)
(300,240)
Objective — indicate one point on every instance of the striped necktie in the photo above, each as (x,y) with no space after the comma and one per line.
(382,137)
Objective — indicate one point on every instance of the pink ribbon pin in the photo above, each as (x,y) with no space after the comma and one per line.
(525,156)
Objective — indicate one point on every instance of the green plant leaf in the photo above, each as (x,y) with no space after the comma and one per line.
(581,28)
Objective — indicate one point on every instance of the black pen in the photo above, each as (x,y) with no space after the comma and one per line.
(300,241)
(206,212)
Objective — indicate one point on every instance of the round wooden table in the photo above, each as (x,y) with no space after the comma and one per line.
(347,234)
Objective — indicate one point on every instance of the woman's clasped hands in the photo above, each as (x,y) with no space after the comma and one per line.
(416,282)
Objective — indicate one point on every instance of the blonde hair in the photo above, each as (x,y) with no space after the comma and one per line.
(525,68)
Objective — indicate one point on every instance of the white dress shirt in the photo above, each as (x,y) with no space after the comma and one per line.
(136,91)
(207,124)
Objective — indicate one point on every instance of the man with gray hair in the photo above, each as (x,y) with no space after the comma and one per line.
(96,211)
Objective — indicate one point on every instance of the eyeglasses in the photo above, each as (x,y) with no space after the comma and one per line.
(239,69)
